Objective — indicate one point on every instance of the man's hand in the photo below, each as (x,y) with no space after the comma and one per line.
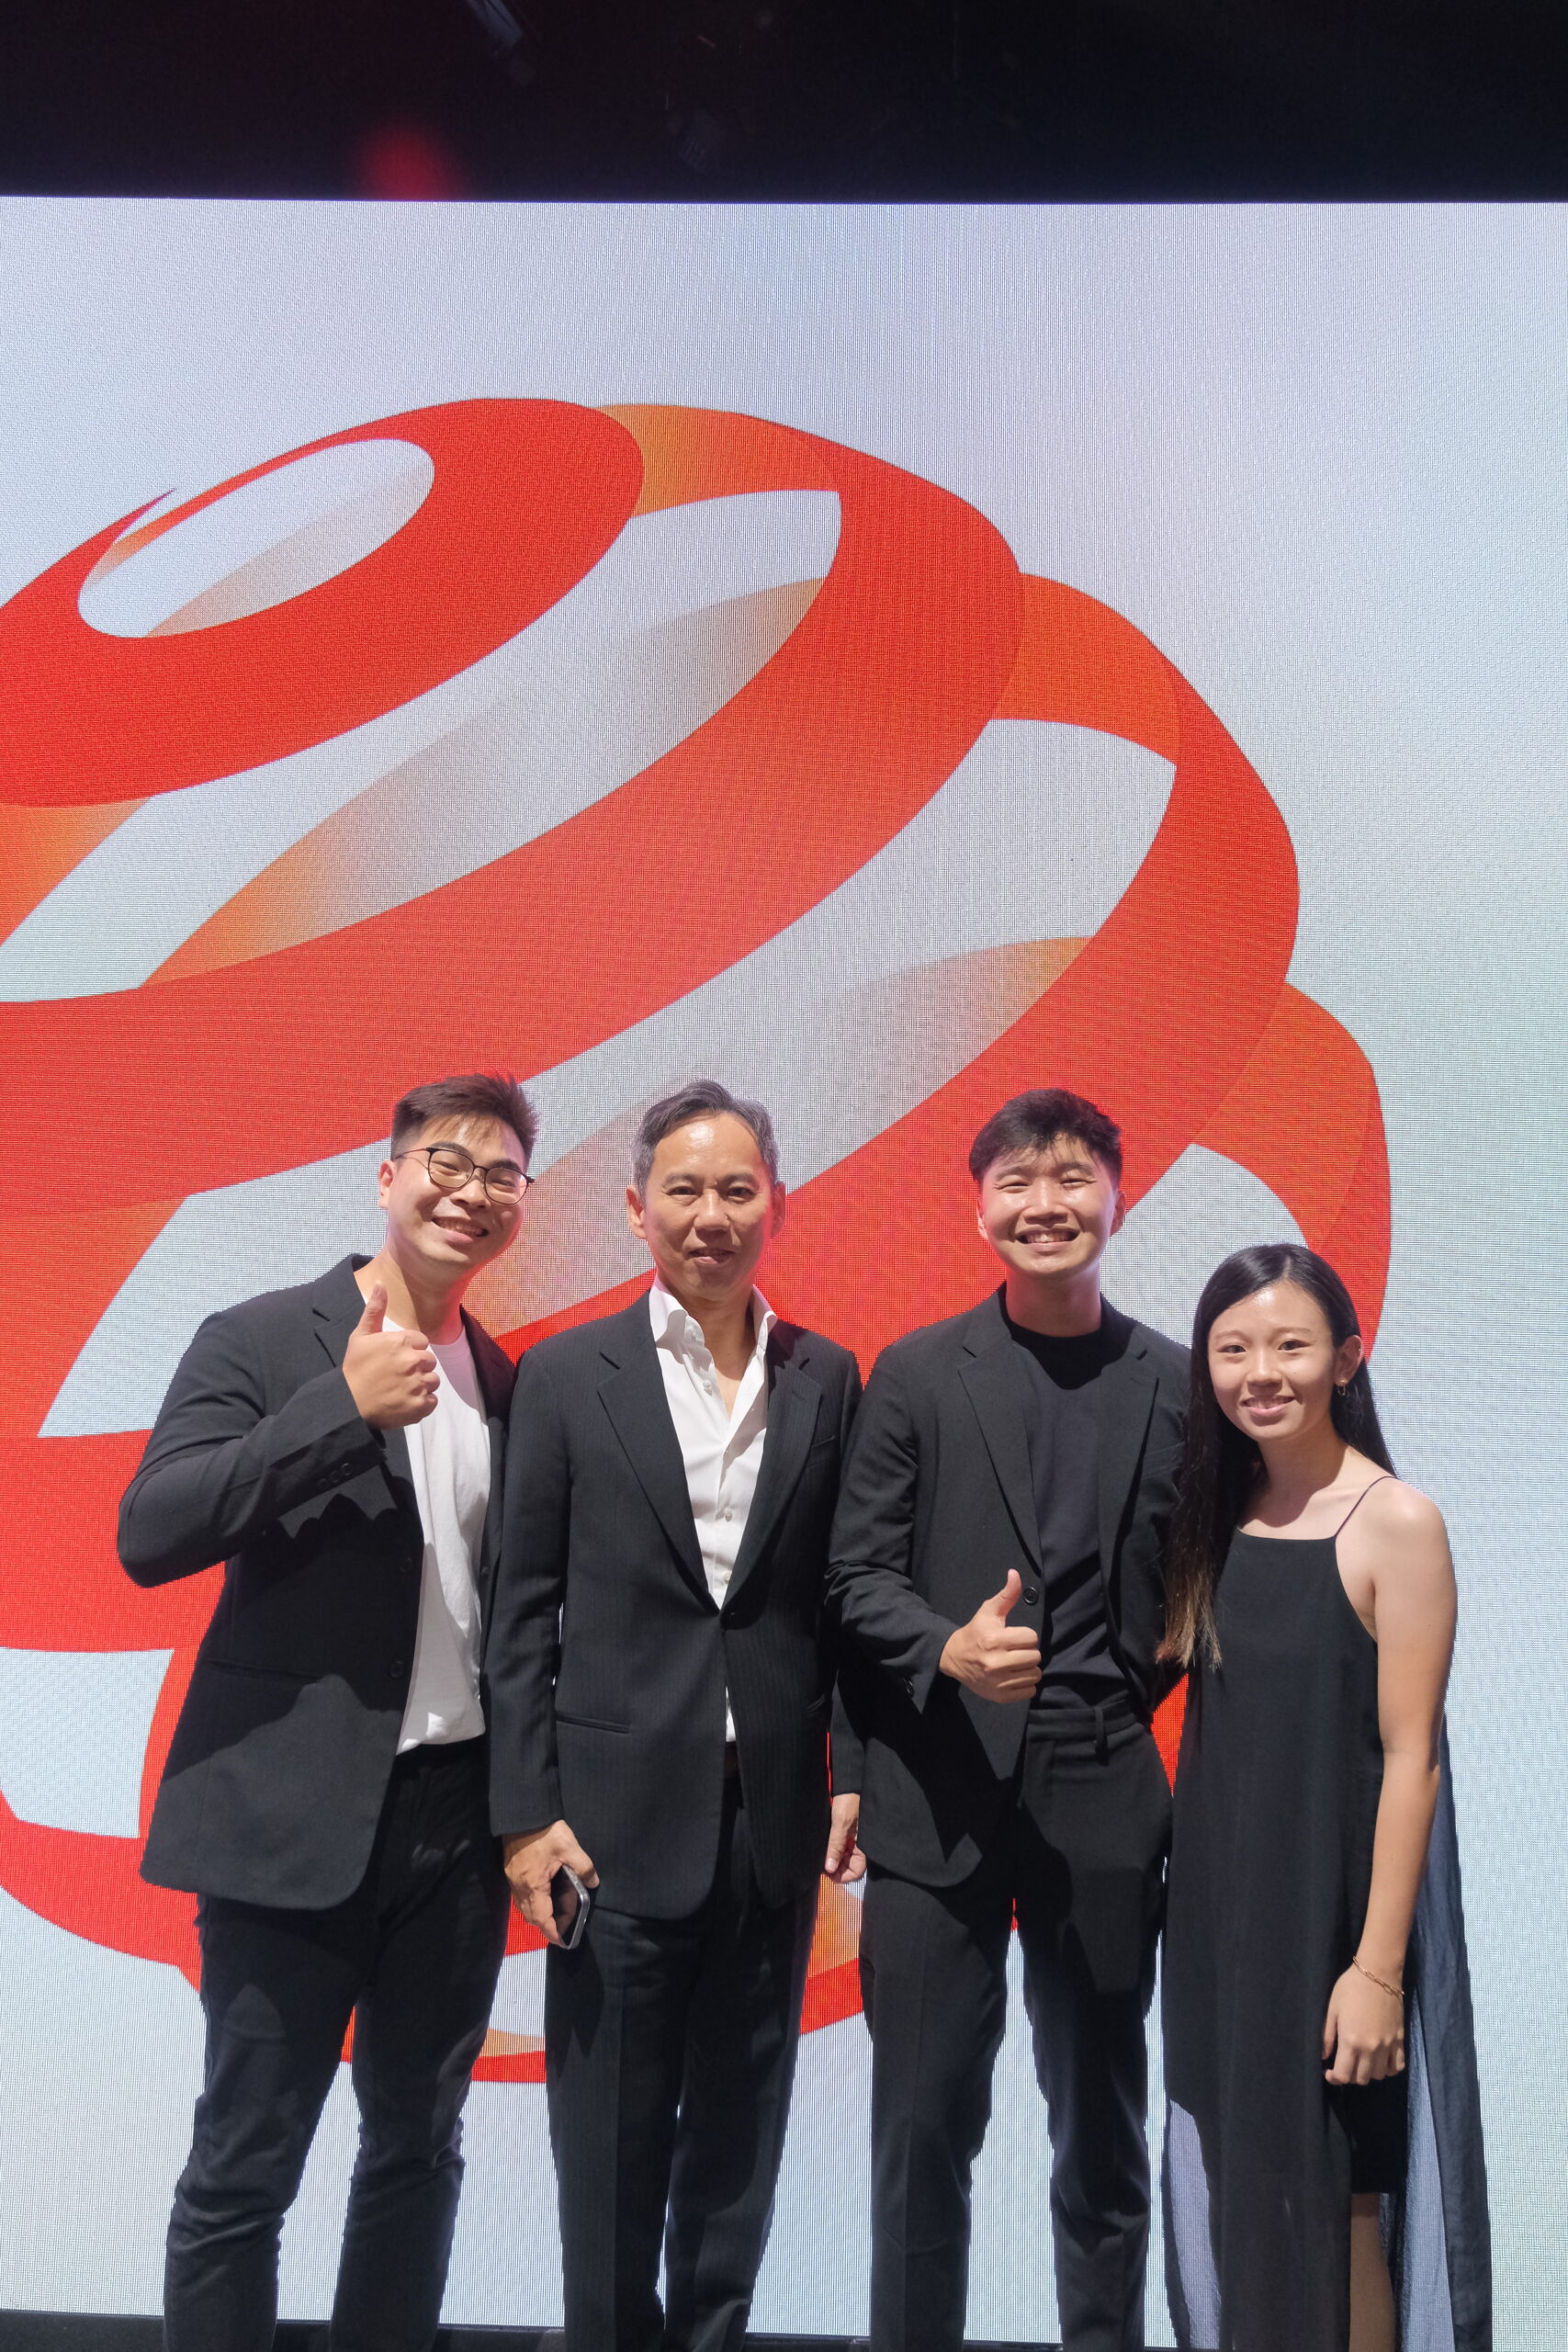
(392,1375)
(532,1862)
(989,1656)
(845,1861)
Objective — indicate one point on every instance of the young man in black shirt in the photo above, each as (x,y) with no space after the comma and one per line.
(996,1567)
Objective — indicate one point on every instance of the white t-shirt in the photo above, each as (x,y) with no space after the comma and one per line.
(449,1459)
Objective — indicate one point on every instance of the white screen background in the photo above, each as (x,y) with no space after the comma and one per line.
(1317,453)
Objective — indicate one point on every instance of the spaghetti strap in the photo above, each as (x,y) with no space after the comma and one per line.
(1379,1481)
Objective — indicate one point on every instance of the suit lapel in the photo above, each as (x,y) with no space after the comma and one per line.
(794,1399)
(632,1392)
(338,1307)
(495,1425)
(1128,1392)
(991,1377)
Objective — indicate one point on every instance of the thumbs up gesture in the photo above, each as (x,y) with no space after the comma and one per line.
(989,1656)
(392,1376)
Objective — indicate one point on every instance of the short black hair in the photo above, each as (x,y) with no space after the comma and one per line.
(701,1098)
(480,1094)
(1044,1116)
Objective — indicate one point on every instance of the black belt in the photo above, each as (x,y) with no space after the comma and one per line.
(432,1755)
(1091,1721)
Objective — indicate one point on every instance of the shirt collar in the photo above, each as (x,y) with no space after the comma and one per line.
(681,1333)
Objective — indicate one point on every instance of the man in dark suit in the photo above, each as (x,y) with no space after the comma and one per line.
(660,1687)
(997,1573)
(340,1447)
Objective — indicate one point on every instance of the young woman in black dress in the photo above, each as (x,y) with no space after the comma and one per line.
(1311,1598)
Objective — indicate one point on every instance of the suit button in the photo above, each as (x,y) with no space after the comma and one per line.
(1031,1595)
(397,1668)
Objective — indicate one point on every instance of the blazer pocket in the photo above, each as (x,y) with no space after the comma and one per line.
(258,1673)
(589,1723)
(227,1706)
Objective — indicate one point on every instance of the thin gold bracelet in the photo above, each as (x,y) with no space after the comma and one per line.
(1397,1990)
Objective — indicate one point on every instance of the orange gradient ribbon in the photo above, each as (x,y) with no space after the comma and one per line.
(1176,1013)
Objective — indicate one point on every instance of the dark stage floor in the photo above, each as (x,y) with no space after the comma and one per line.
(87,2331)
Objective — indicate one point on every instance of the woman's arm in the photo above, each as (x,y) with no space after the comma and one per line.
(1396,1557)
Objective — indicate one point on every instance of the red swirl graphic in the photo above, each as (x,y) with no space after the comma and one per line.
(527,495)
(1177,1012)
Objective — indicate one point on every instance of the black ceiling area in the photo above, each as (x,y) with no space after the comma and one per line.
(876,100)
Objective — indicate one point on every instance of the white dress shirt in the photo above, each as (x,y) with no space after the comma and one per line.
(721,1447)
(449,1462)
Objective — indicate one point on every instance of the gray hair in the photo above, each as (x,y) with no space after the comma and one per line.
(703,1098)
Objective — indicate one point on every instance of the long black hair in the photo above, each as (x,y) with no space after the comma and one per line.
(1222,1463)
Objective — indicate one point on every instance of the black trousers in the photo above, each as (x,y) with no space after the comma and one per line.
(1080,1856)
(413,1956)
(669,2053)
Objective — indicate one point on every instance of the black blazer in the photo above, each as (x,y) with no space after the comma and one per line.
(938,1504)
(607,1661)
(281,1756)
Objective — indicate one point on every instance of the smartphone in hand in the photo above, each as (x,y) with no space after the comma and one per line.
(570,1901)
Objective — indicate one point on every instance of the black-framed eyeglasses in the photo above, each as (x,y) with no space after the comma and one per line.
(452,1168)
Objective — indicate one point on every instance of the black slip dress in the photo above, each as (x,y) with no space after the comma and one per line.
(1276,1803)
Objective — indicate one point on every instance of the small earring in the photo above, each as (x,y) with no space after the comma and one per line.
(1340,1386)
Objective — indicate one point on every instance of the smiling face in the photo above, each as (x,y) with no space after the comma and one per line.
(1049,1214)
(1274,1365)
(439,1237)
(708,1209)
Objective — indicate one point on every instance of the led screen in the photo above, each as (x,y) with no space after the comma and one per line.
(882,657)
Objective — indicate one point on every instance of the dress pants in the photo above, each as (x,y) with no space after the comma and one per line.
(669,2052)
(1080,1856)
(412,1957)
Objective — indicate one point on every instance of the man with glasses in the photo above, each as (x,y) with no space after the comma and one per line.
(339,1447)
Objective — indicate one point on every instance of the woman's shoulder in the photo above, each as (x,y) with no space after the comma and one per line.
(1397,1537)
(1392,1507)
